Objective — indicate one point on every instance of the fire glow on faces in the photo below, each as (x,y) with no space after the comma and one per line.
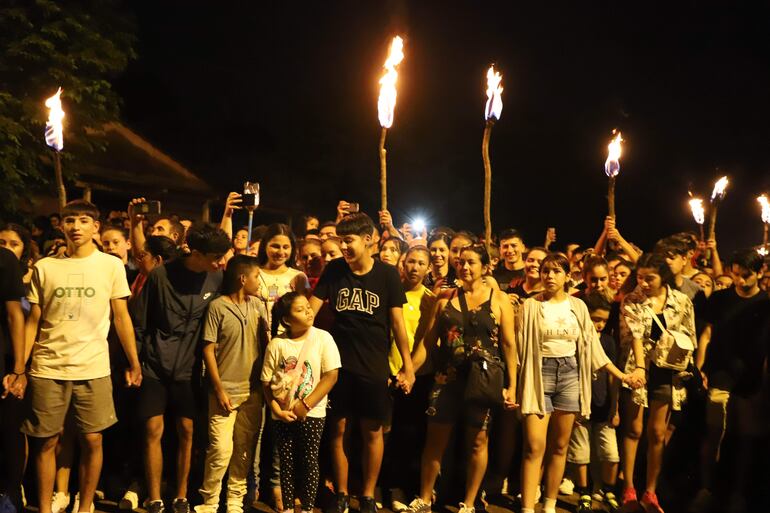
(390,252)
(278,250)
(532,263)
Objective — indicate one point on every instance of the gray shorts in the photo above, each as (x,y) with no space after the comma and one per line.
(49,400)
(593,438)
(561,384)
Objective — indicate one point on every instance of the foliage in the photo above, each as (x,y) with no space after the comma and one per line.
(78,45)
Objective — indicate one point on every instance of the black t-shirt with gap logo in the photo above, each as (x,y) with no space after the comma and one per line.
(11,289)
(362,304)
(740,335)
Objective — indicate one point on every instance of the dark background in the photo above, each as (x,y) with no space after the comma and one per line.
(287,95)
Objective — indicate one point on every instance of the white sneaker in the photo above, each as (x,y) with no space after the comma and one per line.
(567,486)
(129,502)
(419,506)
(59,502)
(76,504)
(466,509)
(398,501)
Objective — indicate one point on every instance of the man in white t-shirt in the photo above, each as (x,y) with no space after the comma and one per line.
(71,299)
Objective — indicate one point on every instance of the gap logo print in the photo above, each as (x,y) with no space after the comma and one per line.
(357,300)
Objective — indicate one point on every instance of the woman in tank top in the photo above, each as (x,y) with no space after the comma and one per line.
(488,329)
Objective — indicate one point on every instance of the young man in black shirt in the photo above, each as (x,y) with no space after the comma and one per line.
(169,324)
(367,298)
(510,271)
(732,355)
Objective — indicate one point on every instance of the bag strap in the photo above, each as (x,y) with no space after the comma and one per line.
(655,318)
(464,309)
(303,350)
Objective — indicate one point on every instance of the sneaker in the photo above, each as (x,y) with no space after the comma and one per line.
(419,506)
(76,504)
(598,495)
(367,505)
(629,496)
(180,505)
(129,502)
(465,509)
(59,502)
(610,501)
(154,507)
(650,503)
(343,503)
(702,503)
(584,504)
(567,487)
(398,501)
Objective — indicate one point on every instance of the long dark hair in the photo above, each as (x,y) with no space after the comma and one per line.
(281,309)
(26,240)
(657,262)
(272,231)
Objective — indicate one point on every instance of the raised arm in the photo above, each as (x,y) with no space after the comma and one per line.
(232,204)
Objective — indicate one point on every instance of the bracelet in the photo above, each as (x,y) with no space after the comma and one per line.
(304,403)
(17,374)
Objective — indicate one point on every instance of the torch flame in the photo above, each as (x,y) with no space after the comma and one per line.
(54,136)
(765,208)
(387,101)
(719,188)
(612,164)
(696,205)
(494,107)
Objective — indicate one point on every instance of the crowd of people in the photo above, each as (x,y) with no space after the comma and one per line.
(351,358)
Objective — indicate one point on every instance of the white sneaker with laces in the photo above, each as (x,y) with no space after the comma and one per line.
(59,502)
(567,486)
(419,506)
(76,504)
(465,509)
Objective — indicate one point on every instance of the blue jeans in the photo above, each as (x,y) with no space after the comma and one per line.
(561,384)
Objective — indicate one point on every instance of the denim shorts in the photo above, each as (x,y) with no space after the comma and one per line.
(561,384)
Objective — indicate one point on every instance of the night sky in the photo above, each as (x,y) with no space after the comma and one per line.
(287,96)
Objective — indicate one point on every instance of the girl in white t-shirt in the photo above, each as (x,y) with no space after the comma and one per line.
(299,371)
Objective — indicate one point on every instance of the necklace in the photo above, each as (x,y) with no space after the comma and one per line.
(244,316)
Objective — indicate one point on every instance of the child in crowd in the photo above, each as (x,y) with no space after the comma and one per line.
(235,334)
(300,369)
(596,435)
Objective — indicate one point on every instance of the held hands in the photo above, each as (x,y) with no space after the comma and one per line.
(405,380)
(134,376)
(15,385)
(615,419)
(636,379)
(509,398)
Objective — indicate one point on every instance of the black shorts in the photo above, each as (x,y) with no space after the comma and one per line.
(353,396)
(660,384)
(447,405)
(158,397)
